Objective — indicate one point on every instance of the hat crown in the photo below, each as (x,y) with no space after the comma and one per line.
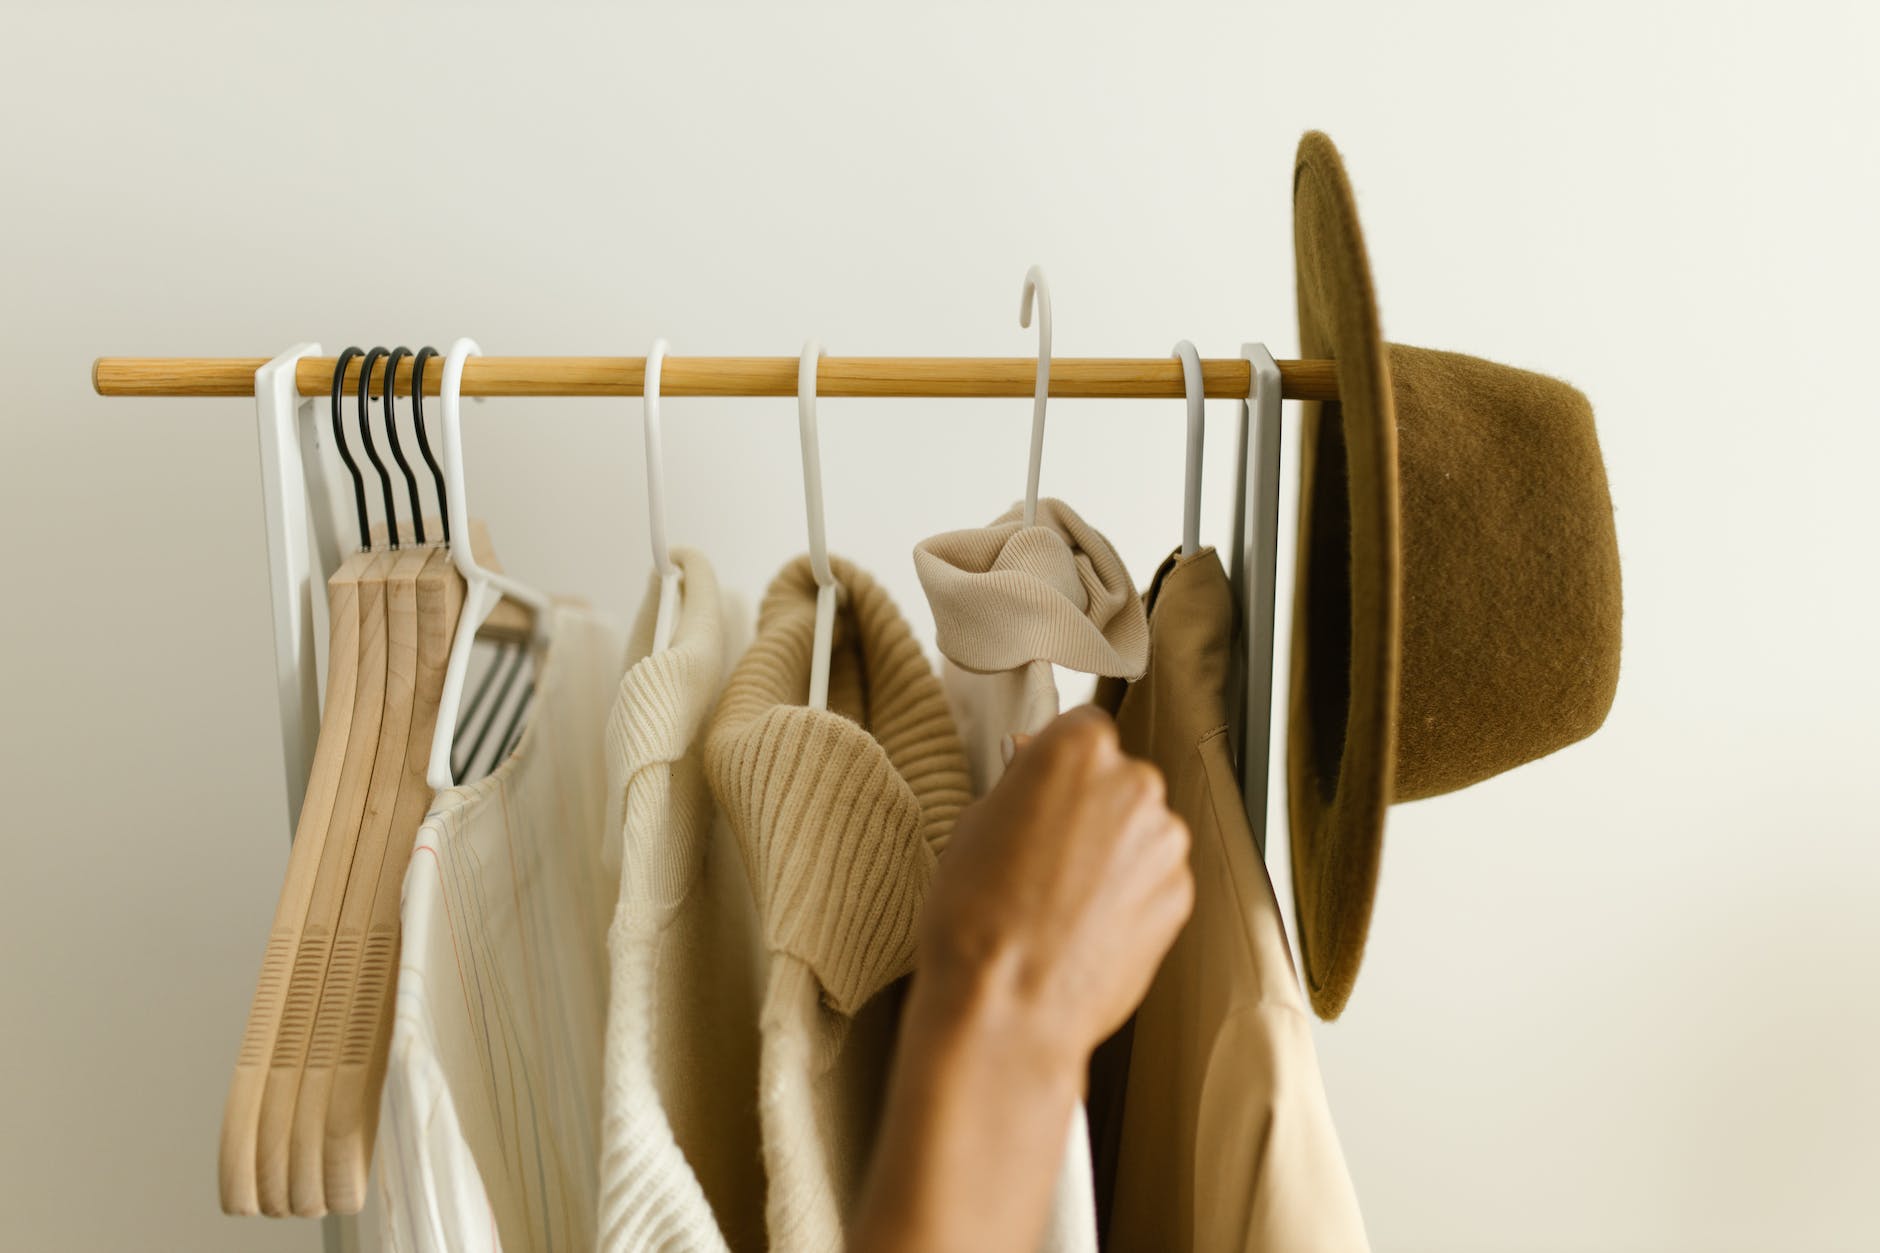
(1510,595)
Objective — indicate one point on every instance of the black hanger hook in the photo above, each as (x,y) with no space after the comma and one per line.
(372,449)
(398,445)
(509,659)
(424,443)
(345,453)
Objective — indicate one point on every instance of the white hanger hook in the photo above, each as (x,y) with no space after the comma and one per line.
(450,393)
(824,639)
(667,614)
(482,588)
(450,405)
(656,461)
(812,462)
(1035,283)
(1194,386)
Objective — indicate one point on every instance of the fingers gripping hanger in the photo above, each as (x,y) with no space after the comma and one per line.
(1035,283)
(826,586)
(483,588)
(656,503)
(1197,431)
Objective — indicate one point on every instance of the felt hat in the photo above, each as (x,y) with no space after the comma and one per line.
(1456,609)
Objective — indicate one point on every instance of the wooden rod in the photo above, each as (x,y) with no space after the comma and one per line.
(1120,377)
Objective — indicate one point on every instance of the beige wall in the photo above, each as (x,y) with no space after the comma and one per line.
(1621,999)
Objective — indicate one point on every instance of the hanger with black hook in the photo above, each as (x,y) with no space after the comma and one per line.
(424,442)
(504,668)
(372,450)
(345,453)
(514,731)
(398,445)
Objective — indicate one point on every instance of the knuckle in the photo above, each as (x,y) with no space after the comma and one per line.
(1185,891)
(1145,781)
(1178,832)
(1084,732)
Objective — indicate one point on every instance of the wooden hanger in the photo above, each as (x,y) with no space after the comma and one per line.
(308,972)
(313,1054)
(352,1113)
(344,920)
(338,923)
(313,956)
(241,1115)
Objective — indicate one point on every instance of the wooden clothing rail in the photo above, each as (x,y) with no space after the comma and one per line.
(1071,377)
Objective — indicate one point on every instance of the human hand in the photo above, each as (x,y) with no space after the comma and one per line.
(1059,894)
(1056,899)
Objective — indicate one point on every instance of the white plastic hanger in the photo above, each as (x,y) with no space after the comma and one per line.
(656,504)
(1255,568)
(482,588)
(1197,431)
(818,545)
(1034,282)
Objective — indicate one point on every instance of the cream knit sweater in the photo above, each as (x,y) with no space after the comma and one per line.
(679,1165)
(1009,602)
(840,814)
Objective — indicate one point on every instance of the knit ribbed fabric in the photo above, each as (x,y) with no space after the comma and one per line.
(839,814)
(679,1167)
(1007,594)
(489,1123)
(1009,602)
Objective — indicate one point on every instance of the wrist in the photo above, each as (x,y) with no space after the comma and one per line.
(978,1106)
(973,1014)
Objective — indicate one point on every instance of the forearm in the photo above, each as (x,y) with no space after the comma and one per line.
(973,1133)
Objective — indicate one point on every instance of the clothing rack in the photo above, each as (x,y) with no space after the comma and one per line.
(286,386)
(300,557)
(304,516)
(1120,378)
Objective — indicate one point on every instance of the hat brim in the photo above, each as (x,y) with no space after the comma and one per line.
(1342,719)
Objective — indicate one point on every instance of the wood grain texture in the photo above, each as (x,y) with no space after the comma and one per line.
(353,1113)
(241,1115)
(1088,377)
(307,1189)
(274,1134)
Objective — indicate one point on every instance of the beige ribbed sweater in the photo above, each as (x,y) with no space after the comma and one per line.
(840,814)
(679,1163)
(1009,602)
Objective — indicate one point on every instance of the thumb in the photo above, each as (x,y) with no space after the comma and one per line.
(1009,746)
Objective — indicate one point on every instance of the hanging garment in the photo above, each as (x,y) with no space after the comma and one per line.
(490,1118)
(1226,1141)
(679,1167)
(840,814)
(1010,601)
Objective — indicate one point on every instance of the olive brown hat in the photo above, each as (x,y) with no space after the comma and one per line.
(1456,607)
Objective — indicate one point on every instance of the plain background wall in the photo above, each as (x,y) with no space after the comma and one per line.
(1624,998)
